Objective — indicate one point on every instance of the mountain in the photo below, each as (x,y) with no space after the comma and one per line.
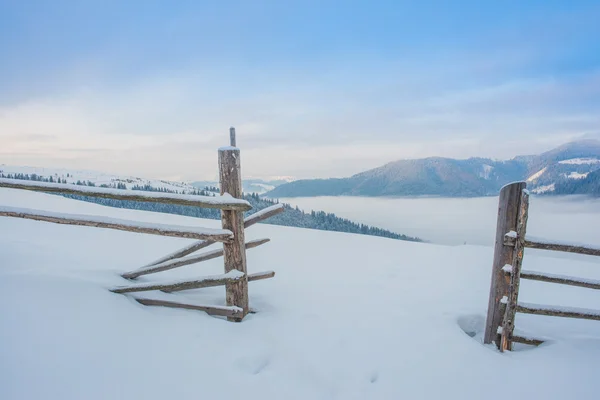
(589,184)
(259,186)
(437,176)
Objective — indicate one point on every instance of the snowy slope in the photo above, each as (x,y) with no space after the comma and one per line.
(346,317)
(98,178)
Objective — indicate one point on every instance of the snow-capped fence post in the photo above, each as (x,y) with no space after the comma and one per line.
(508,209)
(508,323)
(511,241)
(230,177)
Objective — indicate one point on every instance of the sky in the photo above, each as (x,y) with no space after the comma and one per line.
(314,88)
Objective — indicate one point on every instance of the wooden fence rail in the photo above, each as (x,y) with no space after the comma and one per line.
(248,221)
(560,279)
(221,202)
(232,206)
(217,235)
(180,262)
(511,241)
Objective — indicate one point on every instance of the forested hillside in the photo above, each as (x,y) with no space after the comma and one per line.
(588,185)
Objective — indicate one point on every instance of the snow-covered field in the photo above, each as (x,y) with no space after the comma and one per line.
(96,177)
(580,161)
(346,317)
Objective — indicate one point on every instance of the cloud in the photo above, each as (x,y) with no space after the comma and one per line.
(300,124)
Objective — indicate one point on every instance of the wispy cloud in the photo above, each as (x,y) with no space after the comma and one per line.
(311,99)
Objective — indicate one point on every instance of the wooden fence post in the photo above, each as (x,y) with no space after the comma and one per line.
(230,177)
(508,209)
(508,323)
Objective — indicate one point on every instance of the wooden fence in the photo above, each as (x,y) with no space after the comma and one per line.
(235,277)
(511,241)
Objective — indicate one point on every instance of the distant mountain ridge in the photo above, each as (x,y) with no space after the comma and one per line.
(438,176)
(259,186)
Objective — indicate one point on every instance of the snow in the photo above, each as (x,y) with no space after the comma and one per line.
(560,276)
(346,317)
(228,148)
(543,189)
(576,175)
(224,199)
(507,268)
(511,234)
(487,169)
(264,186)
(561,308)
(115,221)
(580,161)
(259,214)
(170,256)
(537,175)
(96,177)
(538,239)
(233,274)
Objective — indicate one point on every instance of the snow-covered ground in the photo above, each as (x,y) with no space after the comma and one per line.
(580,161)
(576,175)
(544,189)
(98,178)
(346,317)
(537,175)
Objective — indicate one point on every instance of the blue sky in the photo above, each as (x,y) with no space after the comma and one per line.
(315,88)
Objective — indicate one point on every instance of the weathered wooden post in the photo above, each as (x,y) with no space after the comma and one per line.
(230,177)
(508,209)
(508,323)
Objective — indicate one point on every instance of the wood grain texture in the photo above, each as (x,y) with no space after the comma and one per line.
(263,215)
(183,200)
(508,323)
(180,262)
(558,311)
(251,277)
(527,340)
(261,275)
(508,206)
(230,177)
(179,285)
(186,251)
(563,280)
(567,248)
(171,232)
(232,312)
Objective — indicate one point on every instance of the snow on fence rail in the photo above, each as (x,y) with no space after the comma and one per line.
(217,235)
(182,261)
(511,241)
(223,202)
(231,203)
(553,245)
(249,221)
